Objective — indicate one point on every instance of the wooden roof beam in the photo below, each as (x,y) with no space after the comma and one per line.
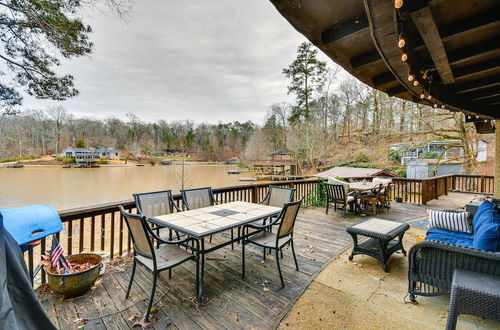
(382,79)
(474,51)
(493,100)
(482,94)
(364,59)
(479,21)
(339,31)
(477,84)
(480,67)
(396,90)
(430,34)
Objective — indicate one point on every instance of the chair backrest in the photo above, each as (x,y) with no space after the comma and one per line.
(139,230)
(287,218)
(379,189)
(335,192)
(155,203)
(198,198)
(277,196)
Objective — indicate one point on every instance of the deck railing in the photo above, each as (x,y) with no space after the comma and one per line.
(101,227)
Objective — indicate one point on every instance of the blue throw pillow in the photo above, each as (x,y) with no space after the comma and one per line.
(487,228)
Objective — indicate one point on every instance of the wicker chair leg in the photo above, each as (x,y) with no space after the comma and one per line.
(451,323)
(131,279)
(151,298)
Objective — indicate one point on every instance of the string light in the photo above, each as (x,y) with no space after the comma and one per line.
(401,42)
(398,4)
(422,96)
(435,105)
(429,97)
(404,57)
(469,117)
(415,83)
(486,120)
(443,106)
(411,77)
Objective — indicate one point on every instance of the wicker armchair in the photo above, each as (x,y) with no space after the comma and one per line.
(432,264)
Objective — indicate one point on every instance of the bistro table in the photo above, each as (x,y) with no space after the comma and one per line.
(203,222)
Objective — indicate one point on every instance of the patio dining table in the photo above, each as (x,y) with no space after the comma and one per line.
(363,186)
(204,222)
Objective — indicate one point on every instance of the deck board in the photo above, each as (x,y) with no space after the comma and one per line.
(256,301)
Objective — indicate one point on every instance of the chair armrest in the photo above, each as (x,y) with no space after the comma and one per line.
(253,226)
(177,209)
(490,255)
(156,237)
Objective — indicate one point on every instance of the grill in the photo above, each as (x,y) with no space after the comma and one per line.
(30,224)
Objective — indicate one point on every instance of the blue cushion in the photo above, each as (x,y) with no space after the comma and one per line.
(483,213)
(448,236)
(487,228)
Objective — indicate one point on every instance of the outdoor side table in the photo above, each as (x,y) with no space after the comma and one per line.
(474,293)
(381,242)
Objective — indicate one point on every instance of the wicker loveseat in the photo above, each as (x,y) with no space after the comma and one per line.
(433,261)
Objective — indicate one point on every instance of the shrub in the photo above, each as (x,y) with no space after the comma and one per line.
(395,156)
(59,158)
(103,161)
(152,162)
(80,144)
(69,160)
(361,157)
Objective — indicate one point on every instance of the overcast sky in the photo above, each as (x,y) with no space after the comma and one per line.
(208,61)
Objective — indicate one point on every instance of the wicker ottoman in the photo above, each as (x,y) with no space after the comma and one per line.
(382,242)
(474,293)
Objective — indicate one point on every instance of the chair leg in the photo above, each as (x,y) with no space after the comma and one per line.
(279,268)
(243,258)
(210,239)
(327,203)
(232,237)
(451,323)
(264,254)
(152,297)
(293,253)
(170,273)
(131,279)
(281,254)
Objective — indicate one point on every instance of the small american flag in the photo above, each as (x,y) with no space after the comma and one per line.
(55,253)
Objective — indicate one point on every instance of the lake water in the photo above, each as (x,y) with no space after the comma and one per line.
(66,188)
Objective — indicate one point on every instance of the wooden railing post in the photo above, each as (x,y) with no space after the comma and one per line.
(425,191)
(255,198)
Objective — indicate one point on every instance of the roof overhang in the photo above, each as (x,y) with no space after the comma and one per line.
(454,42)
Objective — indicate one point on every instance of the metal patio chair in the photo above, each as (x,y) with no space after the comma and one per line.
(152,204)
(155,259)
(198,198)
(266,239)
(278,196)
(336,194)
(374,199)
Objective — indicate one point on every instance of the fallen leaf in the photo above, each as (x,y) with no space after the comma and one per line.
(265,289)
(142,323)
(133,317)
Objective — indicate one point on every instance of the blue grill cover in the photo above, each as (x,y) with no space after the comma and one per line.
(22,222)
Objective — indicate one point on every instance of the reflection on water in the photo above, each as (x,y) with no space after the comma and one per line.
(74,187)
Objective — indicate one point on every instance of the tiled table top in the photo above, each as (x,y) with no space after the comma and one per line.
(213,219)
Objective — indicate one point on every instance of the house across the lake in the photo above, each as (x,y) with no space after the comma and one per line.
(84,157)
(107,152)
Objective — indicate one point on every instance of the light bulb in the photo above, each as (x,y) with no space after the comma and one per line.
(398,4)
(411,77)
(486,120)
(404,57)
(435,105)
(429,97)
(443,107)
(422,96)
(415,83)
(477,117)
(469,117)
(401,42)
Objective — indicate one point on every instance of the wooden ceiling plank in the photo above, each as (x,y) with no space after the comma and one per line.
(396,90)
(340,31)
(429,32)
(482,94)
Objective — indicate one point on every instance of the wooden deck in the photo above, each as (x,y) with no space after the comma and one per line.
(233,303)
